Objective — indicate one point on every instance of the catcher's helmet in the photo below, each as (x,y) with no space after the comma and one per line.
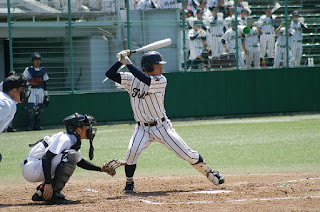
(77,120)
(150,58)
(35,55)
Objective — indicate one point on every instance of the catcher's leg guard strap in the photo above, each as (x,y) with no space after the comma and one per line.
(64,171)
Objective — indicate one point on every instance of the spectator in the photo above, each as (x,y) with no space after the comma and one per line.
(280,53)
(267,38)
(229,40)
(251,45)
(298,26)
(162,4)
(38,98)
(223,8)
(193,5)
(216,31)
(244,16)
(145,5)
(229,18)
(197,43)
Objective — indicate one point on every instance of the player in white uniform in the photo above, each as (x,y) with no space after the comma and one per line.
(162,4)
(267,38)
(13,92)
(280,53)
(145,5)
(38,96)
(197,43)
(296,51)
(229,39)
(146,90)
(53,159)
(251,45)
(215,34)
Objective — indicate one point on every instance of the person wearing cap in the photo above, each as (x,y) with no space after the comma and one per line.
(13,93)
(229,40)
(145,5)
(10,128)
(280,48)
(297,25)
(244,16)
(197,44)
(229,18)
(215,33)
(38,98)
(146,89)
(251,45)
(267,38)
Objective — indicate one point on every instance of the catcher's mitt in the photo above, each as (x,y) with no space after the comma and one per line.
(111,165)
(35,81)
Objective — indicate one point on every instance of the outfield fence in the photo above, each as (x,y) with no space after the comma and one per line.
(78,39)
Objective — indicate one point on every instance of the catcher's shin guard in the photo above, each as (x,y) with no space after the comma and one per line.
(214,176)
(38,115)
(30,119)
(64,171)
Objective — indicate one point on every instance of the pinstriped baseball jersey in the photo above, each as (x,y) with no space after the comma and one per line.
(266,24)
(196,44)
(147,102)
(167,4)
(252,39)
(297,36)
(230,38)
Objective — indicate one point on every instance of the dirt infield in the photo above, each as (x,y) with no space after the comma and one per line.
(253,192)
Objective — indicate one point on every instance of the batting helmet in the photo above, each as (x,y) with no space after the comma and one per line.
(149,59)
(35,55)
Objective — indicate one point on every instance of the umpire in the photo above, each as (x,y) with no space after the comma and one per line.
(38,93)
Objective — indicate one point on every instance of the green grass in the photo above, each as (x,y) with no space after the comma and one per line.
(250,145)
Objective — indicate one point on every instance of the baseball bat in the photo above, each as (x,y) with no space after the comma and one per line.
(155,45)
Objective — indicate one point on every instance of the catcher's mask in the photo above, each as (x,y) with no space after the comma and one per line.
(78,120)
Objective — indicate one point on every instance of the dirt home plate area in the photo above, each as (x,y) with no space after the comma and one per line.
(252,192)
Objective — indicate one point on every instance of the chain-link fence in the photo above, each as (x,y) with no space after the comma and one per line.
(78,39)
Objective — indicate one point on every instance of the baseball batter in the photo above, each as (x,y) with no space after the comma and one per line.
(296,51)
(267,38)
(251,45)
(53,159)
(146,90)
(38,93)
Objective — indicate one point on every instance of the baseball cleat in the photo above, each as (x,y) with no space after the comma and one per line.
(216,178)
(129,189)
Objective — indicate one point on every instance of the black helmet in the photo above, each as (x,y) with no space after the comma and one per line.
(14,81)
(77,120)
(149,59)
(35,55)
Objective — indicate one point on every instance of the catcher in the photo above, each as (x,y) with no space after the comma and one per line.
(53,159)
(38,97)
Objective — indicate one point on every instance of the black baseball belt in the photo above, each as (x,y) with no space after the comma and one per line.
(150,124)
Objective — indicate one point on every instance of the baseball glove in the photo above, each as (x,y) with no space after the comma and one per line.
(111,166)
(35,81)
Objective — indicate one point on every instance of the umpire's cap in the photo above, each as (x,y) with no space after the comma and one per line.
(77,120)
(35,55)
(14,81)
